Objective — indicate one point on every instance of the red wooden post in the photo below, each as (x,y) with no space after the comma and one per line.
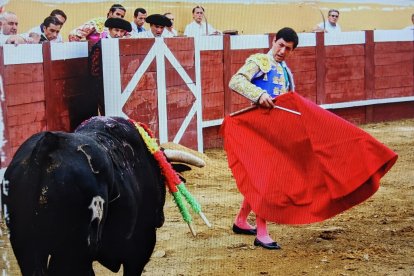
(51,106)
(227,61)
(369,72)
(320,68)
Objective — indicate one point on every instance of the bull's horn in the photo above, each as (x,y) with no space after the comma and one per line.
(184,157)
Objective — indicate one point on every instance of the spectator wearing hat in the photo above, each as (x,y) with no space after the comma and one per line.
(157,22)
(331,25)
(198,26)
(94,29)
(140,14)
(117,28)
(169,31)
(60,15)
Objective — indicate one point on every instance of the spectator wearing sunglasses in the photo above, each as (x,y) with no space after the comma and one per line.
(331,25)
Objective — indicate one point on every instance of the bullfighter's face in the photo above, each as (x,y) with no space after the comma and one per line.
(281,49)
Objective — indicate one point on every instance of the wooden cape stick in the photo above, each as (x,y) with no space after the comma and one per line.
(256,106)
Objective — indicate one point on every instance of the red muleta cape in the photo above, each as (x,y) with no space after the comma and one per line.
(297,169)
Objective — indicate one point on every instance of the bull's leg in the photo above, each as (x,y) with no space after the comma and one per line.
(144,248)
(64,265)
(30,263)
(71,258)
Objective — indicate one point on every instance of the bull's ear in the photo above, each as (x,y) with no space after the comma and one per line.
(46,144)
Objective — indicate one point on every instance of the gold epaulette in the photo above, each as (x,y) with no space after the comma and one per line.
(262,60)
(99,23)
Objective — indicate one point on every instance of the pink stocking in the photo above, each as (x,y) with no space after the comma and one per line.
(262,234)
(241,219)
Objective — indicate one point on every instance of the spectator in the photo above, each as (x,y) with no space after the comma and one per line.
(137,24)
(117,28)
(61,16)
(9,23)
(8,31)
(198,27)
(169,31)
(157,24)
(411,27)
(331,25)
(94,29)
(50,29)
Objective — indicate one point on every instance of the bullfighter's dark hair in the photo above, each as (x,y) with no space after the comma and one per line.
(289,35)
(58,12)
(115,7)
(197,7)
(51,20)
(139,10)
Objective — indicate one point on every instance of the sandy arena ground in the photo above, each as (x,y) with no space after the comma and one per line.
(373,238)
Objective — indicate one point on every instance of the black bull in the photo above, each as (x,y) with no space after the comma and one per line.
(95,194)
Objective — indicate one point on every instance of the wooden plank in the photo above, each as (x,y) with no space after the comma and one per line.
(180,44)
(25,93)
(392,58)
(147,81)
(69,68)
(345,51)
(304,77)
(351,68)
(394,92)
(393,47)
(394,82)
(135,46)
(173,78)
(22,73)
(344,91)
(185,58)
(20,133)
(71,87)
(302,64)
(211,57)
(400,69)
(355,115)
(212,137)
(394,111)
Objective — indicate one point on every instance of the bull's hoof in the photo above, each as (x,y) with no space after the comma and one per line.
(270,246)
(242,231)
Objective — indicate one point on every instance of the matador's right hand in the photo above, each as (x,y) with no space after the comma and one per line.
(266,101)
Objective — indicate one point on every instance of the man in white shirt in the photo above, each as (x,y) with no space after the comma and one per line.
(169,31)
(8,30)
(198,27)
(331,25)
(61,16)
(157,22)
(137,25)
(9,23)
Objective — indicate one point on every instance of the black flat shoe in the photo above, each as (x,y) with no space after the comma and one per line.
(242,231)
(271,246)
